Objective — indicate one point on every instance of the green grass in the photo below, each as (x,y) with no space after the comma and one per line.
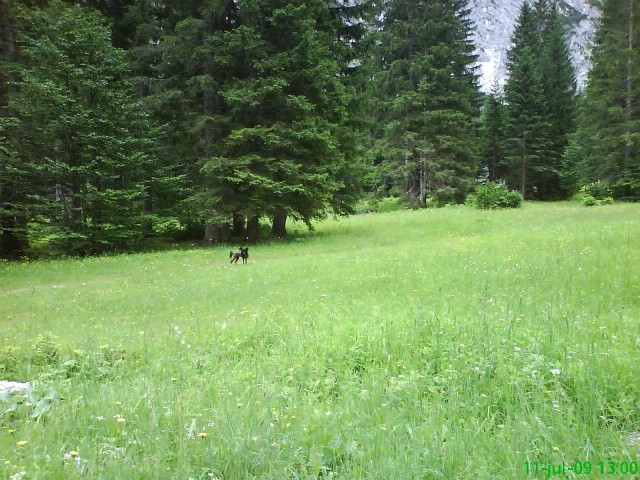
(434,344)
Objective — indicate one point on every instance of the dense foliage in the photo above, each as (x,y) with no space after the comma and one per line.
(539,94)
(78,146)
(492,195)
(605,146)
(124,120)
(428,97)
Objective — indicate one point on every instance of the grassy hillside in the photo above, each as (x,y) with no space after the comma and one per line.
(449,343)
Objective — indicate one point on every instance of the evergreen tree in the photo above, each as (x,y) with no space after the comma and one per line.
(256,95)
(285,153)
(605,145)
(122,29)
(13,217)
(527,144)
(172,61)
(492,133)
(76,134)
(560,98)
(428,96)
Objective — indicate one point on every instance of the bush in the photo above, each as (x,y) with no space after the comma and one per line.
(589,201)
(598,190)
(471,200)
(380,205)
(496,195)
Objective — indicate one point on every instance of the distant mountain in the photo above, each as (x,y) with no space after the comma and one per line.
(495,21)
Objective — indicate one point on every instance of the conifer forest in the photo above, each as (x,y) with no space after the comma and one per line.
(123,122)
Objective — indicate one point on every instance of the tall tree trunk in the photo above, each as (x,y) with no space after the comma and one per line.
(13,243)
(278,228)
(629,93)
(215,233)
(147,209)
(253,229)
(423,185)
(524,164)
(238,225)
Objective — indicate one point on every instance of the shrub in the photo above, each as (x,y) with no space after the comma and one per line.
(44,350)
(598,190)
(443,196)
(9,360)
(471,200)
(593,201)
(380,205)
(513,199)
(496,195)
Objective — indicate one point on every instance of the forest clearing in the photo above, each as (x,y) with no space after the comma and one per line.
(435,343)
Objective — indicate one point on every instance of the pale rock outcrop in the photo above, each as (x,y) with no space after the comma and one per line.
(494,22)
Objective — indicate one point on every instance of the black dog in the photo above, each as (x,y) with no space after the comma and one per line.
(243,253)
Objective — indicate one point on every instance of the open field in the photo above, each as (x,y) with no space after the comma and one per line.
(433,344)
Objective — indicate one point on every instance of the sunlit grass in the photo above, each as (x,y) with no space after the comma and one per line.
(450,343)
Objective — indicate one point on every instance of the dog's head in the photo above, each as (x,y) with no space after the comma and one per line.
(244,251)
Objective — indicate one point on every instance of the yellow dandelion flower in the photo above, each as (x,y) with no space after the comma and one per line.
(11,431)
(202,435)
(121,420)
(73,453)
(118,403)
(21,443)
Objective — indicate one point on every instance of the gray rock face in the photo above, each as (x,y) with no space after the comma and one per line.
(495,20)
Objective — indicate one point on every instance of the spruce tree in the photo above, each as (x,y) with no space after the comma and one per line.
(527,141)
(76,133)
(428,97)
(257,95)
(172,61)
(560,99)
(284,154)
(13,213)
(604,147)
(492,132)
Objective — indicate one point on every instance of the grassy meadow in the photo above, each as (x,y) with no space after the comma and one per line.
(433,344)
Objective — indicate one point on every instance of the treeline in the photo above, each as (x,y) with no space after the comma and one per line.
(546,140)
(219,120)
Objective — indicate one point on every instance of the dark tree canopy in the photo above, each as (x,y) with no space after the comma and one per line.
(77,143)
(125,120)
(428,97)
(604,147)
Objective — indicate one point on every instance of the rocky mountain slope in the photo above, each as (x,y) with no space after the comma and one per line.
(495,21)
